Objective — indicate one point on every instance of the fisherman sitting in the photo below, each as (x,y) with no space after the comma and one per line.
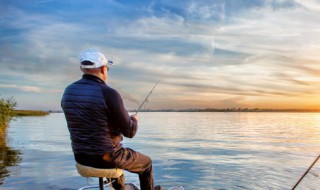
(97,121)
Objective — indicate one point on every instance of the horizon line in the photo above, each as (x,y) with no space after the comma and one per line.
(211,110)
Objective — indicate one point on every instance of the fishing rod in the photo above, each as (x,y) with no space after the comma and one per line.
(146,99)
(305,173)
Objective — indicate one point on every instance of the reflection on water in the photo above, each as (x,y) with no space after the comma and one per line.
(8,156)
(197,150)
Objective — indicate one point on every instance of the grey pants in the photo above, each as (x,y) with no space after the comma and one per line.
(135,162)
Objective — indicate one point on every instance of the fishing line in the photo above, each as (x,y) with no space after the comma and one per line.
(305,173)
(146,99)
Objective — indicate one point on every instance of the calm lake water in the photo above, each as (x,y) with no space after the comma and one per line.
(197,150)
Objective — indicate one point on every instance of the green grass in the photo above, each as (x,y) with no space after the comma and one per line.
(30,113)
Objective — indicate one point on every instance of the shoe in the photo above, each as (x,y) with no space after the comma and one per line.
(158,187)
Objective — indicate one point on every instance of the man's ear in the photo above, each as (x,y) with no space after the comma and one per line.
(103,70)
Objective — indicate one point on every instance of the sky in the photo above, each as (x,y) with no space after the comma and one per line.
(206,53)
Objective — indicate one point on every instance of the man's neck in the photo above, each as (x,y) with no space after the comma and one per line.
(93,77)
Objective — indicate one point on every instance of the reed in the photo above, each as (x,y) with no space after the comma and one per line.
(6,111)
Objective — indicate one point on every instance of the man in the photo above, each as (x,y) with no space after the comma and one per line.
(97,121)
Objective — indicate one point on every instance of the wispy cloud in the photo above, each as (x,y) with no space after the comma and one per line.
(22,88)
(34,89)
(312,5)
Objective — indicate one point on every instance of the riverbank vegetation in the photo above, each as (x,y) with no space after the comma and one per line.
(8,156)
(6,111)
(30,113)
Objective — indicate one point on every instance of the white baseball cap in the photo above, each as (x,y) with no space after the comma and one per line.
(95,57)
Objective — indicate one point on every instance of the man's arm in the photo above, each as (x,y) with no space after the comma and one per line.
(120,119)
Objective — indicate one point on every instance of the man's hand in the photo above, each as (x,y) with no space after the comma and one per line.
(135,116)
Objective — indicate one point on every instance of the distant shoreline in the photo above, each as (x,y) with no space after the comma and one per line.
(231,110)
(30,113)
(218,110)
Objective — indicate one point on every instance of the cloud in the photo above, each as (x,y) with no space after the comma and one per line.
(240,50)
(275,31)
(312,5)
(204,10)
(22,88)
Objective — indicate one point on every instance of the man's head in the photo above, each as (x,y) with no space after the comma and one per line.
(95,63)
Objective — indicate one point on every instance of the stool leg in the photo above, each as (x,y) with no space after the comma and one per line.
(101,185)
